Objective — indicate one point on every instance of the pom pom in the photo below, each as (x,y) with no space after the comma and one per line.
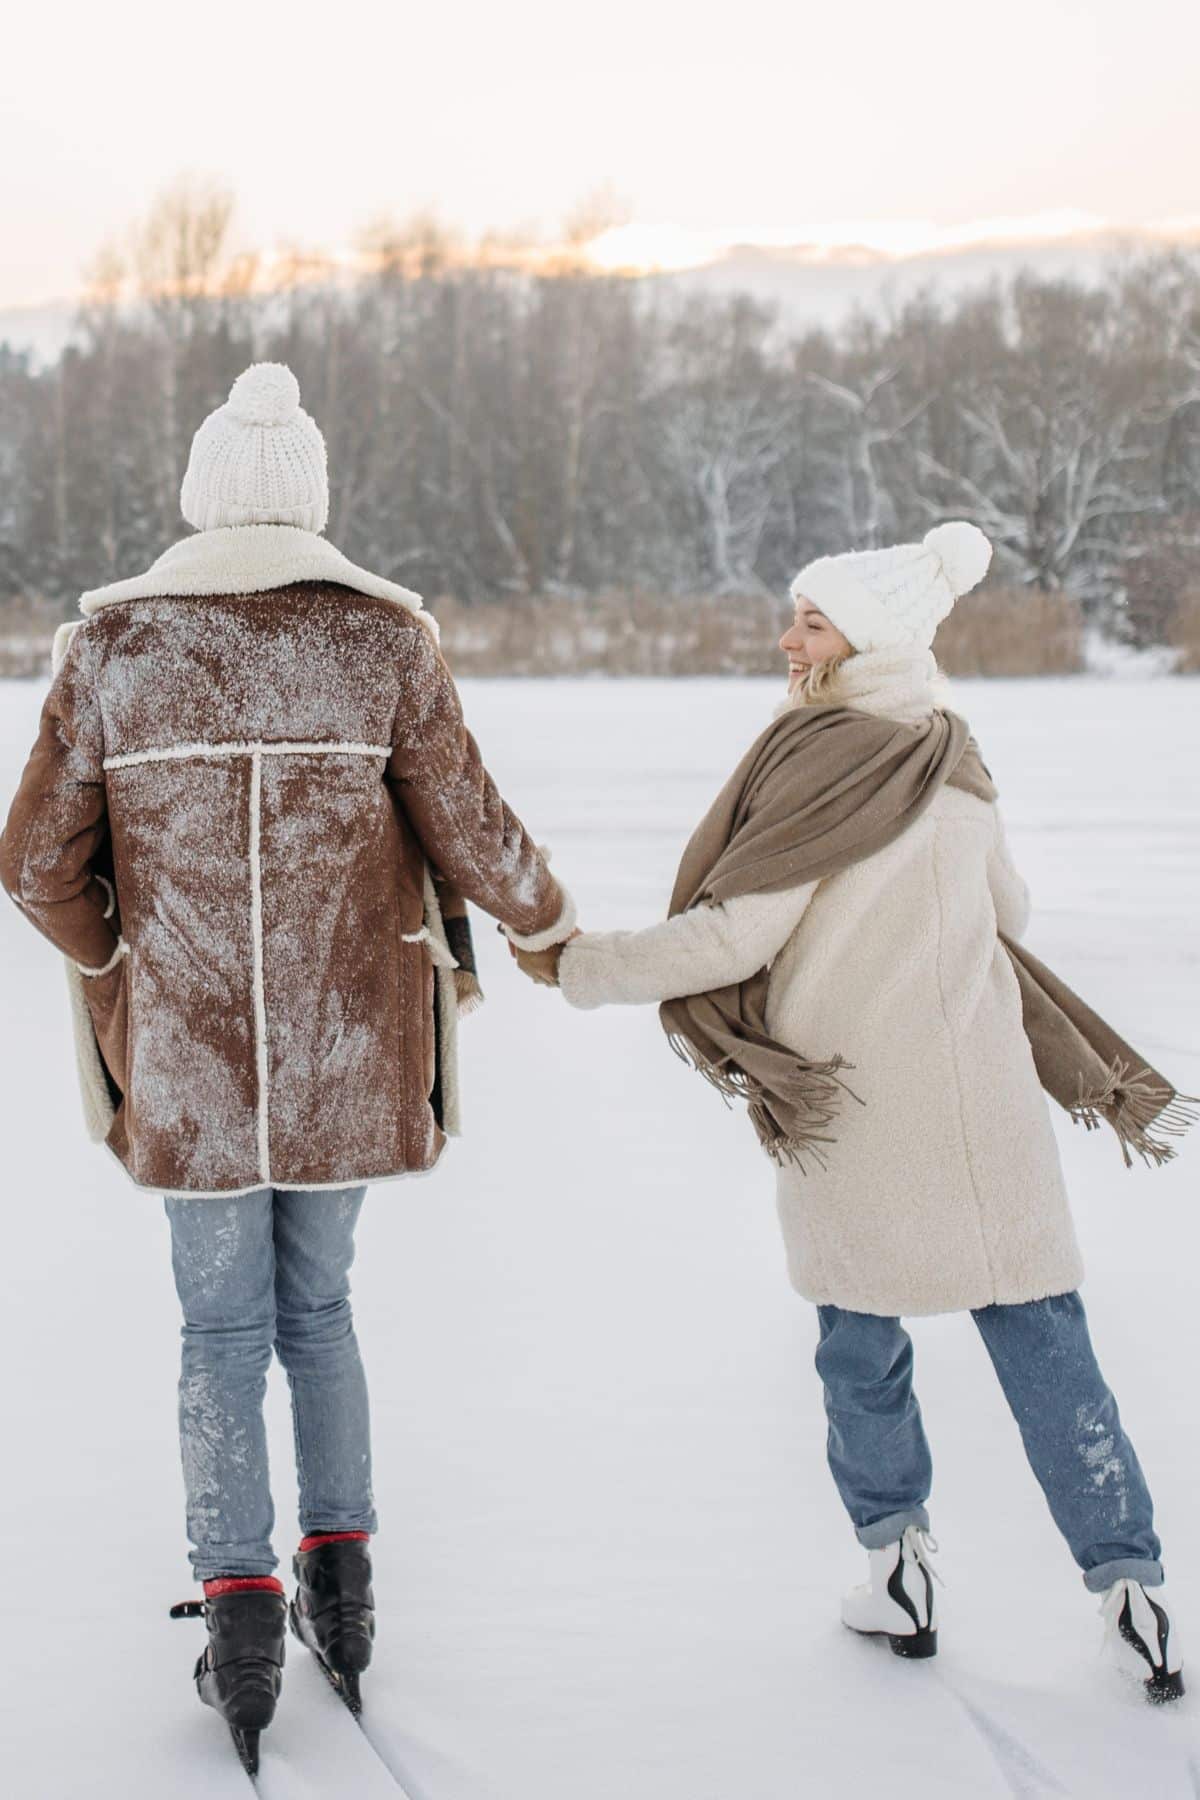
(964,551)
(265,394)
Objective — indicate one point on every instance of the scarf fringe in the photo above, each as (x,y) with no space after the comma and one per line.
(468,990)
(1131,1103)
(814,1093)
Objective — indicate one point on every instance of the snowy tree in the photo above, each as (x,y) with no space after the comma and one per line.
(498,431)
(1057,460)
(724,417)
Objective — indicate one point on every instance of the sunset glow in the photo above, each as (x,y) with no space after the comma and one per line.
(840,136)
(642,246)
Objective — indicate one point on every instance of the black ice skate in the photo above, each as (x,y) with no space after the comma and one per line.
(333,1612)
(241,1671)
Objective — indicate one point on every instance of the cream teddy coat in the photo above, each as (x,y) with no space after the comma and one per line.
(944,1190)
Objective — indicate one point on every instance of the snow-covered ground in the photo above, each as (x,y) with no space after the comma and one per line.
(611,1555)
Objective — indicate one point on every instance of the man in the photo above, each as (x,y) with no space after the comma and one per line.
(250,822)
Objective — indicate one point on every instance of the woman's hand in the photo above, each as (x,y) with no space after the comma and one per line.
(541,966)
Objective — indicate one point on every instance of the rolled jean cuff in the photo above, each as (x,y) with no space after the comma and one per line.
(890,1530)
(208,1565)
(1125,1568)
(239,1567)
(318,1521)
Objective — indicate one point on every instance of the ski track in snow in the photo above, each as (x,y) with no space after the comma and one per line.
(322,1751)
(1027,1777)
(611,1555)
(1047,1744)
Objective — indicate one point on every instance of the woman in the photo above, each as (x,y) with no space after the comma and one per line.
(842,952)
(250,822)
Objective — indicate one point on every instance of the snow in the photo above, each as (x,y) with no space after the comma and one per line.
(611,1555)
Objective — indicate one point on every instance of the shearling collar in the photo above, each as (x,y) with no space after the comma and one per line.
(250,559)
(903,684)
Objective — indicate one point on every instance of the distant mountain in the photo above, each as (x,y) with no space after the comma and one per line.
(817,286)
(812,284)
(42,329)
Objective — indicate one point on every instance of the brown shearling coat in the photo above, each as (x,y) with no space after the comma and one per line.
(228,823)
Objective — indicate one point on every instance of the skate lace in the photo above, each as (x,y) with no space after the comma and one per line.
(923,1548)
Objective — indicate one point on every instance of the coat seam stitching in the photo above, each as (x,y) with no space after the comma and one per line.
(243,747)
(121,950)
(260,992)
(958,1086)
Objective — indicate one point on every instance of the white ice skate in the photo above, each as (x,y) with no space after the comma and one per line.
(897,1600)
(1143,1638)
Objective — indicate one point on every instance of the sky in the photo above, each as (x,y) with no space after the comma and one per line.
(760,121)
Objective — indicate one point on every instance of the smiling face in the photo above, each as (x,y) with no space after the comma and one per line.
(809,641)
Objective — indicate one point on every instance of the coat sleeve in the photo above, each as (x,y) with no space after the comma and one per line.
(469,835)
(1010,896)
(707,947)
(58,823)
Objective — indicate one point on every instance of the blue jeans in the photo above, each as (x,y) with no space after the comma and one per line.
(268,1270)
(1068,1420)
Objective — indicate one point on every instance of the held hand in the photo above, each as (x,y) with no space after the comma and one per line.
(541,966)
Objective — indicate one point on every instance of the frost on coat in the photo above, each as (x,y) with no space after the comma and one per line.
(943,1191)
(265,779)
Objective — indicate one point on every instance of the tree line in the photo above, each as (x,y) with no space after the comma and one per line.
(497,432)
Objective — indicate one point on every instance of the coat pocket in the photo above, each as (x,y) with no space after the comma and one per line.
(107,999)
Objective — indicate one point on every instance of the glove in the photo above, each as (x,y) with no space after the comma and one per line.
(540,965)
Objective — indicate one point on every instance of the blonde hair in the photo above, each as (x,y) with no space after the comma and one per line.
(821,681)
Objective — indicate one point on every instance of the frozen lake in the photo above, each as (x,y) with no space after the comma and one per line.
(610,1554)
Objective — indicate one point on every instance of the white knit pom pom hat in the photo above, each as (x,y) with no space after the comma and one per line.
(259,459)
(881,599)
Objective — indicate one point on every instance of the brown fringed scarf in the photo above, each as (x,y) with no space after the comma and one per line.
(821,789)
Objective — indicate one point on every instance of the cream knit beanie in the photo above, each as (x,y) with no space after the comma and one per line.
(880,599)
(259,459)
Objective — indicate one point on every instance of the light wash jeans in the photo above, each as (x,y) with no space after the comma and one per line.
(268,1270)
(1068,1420)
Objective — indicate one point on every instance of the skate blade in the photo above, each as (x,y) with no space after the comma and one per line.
(1128,1667)
(245,1742)
(1161,1690)
(346,1687)
(917,1646)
